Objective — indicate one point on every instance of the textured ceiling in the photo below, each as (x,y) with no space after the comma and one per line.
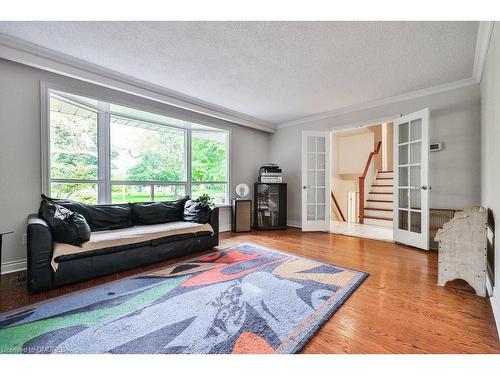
(274,71)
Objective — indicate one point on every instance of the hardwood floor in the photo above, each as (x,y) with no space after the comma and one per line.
(398,309)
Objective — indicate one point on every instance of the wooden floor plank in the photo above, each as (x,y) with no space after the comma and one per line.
(398,309)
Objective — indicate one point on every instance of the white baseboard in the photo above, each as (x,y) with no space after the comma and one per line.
(495,306)
(14,266)
(224,228)
(293,223)
(489,285)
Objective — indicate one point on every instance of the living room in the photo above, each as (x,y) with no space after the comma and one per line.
(283,194)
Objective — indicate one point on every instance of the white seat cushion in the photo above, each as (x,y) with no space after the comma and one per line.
(119,237)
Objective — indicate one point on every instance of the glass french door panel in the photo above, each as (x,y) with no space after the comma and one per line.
(311,178)
(415,152)
(316,179)
(403,133)
(311,143)
(416,130)
(415,222)
(403,219)
(403,176)
(403,198)
(320,195)
(311,195)
(311,160)
(320,212)
(321,161)
(321,144)
(415,199)
(403,155)
(311,212)
(321,181)
(415,175)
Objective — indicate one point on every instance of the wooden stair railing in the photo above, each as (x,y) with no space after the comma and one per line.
(337,206)
(362,183)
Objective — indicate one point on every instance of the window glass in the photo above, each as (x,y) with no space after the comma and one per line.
(209,156)
(130,193)
(218,192)
(143,151)
(73,139)
(169,192)
(148,154)
(86,193)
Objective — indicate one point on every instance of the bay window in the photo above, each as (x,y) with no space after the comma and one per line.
(101,152)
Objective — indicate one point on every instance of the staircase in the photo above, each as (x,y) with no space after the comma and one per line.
(378,209)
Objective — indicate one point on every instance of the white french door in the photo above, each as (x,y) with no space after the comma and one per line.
(315,181)
(411,175)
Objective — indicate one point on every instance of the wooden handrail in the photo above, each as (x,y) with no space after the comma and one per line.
(361,182)
(338,207)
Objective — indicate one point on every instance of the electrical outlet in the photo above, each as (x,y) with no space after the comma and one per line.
(25,239)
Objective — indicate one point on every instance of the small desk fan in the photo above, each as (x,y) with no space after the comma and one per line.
(242,190)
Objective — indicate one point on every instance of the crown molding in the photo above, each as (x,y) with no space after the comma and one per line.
(380,102)
(484,33)
(30,54)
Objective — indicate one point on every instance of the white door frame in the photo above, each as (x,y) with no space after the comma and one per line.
(307,224)
(406,236)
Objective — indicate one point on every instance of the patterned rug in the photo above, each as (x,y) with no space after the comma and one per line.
(242,299)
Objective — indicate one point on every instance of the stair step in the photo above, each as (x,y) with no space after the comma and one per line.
(378,218)
(387,206)
(375,213)
(379,209)
(385,171)
(379,200)
(380,223)
(384,178)
(378,192)
(381,185)
(381,189)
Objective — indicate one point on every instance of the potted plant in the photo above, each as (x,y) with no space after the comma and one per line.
(205,200)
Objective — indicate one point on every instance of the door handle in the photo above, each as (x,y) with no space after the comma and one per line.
(304,187)
(425,187)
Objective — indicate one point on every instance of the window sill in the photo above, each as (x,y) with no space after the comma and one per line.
(223,206)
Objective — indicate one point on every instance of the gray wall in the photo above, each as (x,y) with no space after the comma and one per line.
(454,172)
(20,182)
(490,150)
(455,120)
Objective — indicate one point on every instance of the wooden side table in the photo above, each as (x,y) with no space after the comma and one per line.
(2,233)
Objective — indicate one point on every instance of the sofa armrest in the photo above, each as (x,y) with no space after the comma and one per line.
(214,222)
(40,247)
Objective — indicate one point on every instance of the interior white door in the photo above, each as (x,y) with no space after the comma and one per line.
(315,181)
(411,179)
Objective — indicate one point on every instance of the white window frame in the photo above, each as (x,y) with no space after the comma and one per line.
(104,181)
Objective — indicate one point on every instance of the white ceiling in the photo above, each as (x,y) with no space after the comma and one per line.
(273,71)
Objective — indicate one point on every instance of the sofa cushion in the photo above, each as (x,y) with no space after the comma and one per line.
(66,226)
(112,239)
(148,213)
(99,217)
(196,212)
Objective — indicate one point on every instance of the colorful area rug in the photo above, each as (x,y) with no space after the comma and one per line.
(242,299)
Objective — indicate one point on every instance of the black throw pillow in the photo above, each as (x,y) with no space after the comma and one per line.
(196,212)
(99,217)
(148,213)
(66,226)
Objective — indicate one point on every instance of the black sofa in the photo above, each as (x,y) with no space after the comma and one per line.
(78,267)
